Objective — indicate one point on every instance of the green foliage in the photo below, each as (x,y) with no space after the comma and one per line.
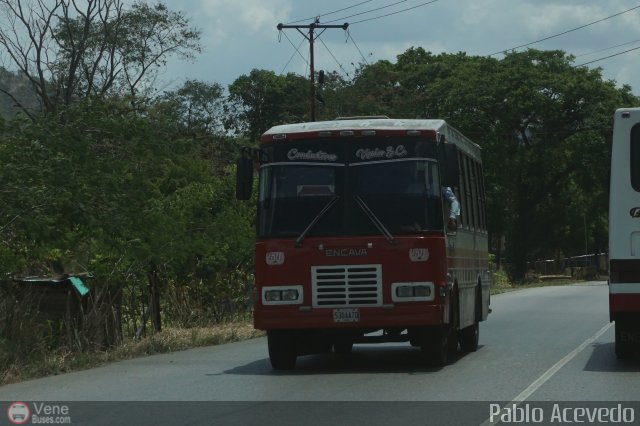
(196,108)
(135,195)
(262,99)
(103,189)
(544,127)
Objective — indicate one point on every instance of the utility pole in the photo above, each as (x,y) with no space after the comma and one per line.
(310,37)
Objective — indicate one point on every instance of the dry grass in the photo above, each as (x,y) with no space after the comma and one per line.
(502,284)
(169,340)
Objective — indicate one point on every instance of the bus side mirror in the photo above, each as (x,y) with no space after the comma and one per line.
(244,174)
(450,175)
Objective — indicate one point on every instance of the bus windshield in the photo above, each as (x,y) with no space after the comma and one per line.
(404,195)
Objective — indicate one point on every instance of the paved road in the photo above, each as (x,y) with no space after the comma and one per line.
(543,344)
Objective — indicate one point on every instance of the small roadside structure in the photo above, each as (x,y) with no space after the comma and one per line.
(60,298)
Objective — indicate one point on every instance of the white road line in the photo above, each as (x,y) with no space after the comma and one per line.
(550,372)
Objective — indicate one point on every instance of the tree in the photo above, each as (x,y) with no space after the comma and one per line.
(543,124)
(262,99)
(20,88)
(70,50)
(119,194)
(197,108)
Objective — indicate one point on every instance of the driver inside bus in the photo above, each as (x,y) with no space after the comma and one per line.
(454,208)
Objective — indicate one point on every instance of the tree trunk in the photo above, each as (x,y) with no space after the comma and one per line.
(154,306)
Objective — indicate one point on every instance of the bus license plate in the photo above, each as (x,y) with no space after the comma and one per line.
(346,315)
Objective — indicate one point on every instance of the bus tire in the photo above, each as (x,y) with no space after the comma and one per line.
(440,346)
(623,347)
(470,336)
(282,349)
(441,343)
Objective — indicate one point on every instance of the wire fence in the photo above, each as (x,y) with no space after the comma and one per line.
(588,266)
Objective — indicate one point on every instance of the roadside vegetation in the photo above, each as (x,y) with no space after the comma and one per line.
(47,361)
(46,358)
(107,177)
(502,284)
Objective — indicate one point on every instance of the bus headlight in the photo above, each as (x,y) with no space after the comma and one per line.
(282,295)
(412,292)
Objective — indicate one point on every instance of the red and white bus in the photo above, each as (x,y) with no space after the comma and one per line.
(353,244)
(624,231)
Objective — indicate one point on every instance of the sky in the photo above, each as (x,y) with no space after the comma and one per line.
(240,35)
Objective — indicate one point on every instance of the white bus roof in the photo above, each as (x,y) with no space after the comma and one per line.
(365,123)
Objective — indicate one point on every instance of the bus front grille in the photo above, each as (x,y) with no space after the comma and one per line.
(346,285)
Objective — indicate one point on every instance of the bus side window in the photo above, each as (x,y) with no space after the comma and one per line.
(483,197)
(462,197)
(470,193)
(477,172)
(475,194)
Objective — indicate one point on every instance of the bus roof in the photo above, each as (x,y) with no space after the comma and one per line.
(385,126)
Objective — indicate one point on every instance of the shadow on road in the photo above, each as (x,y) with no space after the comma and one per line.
(363,359)
(603,358)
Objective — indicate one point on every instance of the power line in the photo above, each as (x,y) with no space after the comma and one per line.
(330,13)
(562,33)
(607,57)
(354,43)
(334,58)
(368,11)
(607,48)
(395,13)
(296,50)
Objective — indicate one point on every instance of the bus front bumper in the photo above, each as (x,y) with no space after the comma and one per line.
(306,317)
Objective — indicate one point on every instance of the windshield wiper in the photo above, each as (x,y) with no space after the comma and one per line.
(315,220)
(365,208)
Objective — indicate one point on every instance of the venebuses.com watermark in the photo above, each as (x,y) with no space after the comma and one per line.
(20,413)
